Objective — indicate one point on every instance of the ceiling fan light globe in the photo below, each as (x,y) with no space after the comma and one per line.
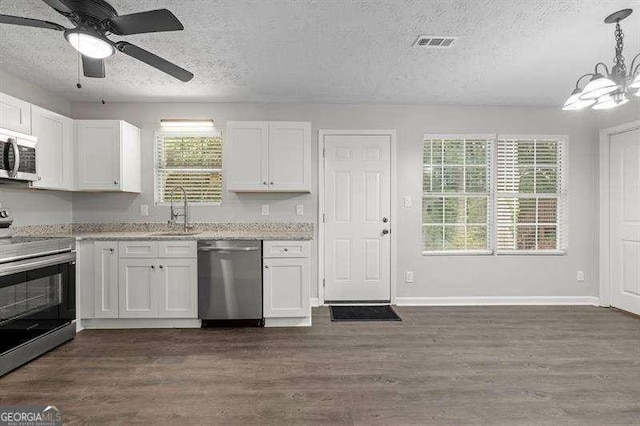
(635,84)
(598,87)
(610,101)
(90,45)
(574,103)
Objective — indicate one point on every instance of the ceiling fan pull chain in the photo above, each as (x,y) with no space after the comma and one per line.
(78,85)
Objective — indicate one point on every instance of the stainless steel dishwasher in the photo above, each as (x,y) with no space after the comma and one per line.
(230,283)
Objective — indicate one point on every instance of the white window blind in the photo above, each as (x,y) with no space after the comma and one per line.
(531,199)
(456,201)
(192,161)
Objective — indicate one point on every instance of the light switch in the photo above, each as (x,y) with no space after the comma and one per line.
(265,209)
(408,276)
(300,209)
(144,210)
(580,275)
(408,202)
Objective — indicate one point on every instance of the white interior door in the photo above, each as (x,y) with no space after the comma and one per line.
(357,217)
(625,221)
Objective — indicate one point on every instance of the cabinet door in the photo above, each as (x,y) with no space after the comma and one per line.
(105,279)
(289,157)
(15,114)
(131,159)
(178,288)
(98,162)
(55,152)
(246,159)
(138,288)
(286,288)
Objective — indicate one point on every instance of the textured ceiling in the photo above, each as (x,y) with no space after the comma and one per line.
(511,52)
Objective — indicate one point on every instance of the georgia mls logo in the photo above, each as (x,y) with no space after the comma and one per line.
(30,416)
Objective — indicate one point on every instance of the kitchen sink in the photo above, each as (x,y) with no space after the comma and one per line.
(175,234)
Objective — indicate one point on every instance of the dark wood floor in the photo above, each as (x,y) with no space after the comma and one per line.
(491,365)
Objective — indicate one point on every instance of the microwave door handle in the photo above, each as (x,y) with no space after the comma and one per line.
(16,155)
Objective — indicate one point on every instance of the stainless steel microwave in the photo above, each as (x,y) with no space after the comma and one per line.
(17,156)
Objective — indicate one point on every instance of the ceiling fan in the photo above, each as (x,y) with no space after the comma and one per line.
(94,20)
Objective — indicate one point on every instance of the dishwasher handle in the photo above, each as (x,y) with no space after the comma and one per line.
(205,248)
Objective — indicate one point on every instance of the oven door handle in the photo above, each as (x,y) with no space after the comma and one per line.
(39,262)
(16,156)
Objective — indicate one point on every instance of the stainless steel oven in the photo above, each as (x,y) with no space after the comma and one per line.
(17,156)
(37,304)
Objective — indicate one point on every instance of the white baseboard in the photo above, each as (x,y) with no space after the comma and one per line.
(287,322)
(109,323)
(496,301)
(315,302)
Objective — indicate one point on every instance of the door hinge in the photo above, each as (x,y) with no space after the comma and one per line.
(323,218)
(324,283)
(324,152)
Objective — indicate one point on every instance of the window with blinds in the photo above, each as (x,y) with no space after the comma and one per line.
(456,196)
(531,199)
(192,161)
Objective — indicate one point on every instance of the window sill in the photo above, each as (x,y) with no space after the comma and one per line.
(190,204)
(532,253)
(458,253)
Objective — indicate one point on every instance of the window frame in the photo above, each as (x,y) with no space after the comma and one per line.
(492,180)
(562,233)
(185,132)
(489,194)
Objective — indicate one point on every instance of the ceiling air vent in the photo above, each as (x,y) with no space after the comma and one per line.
(435,42)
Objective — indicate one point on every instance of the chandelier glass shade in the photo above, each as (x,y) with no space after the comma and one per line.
(608,87)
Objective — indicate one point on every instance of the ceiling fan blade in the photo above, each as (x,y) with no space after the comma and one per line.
(58,5)
(93,67)
(152,21)
(154,60)
(28,22)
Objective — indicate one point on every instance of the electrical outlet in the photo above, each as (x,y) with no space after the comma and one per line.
(299,209)
(408,276)
(580,275)
(144,210)
(408,202)
(265,209)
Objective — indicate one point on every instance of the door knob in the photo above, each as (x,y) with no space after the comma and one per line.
(385,231)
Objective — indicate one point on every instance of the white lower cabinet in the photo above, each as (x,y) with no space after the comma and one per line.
(127,285)
(286,282)
(105,279)
(178,288)
(139,288)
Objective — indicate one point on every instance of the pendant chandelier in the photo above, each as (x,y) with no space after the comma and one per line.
(608,88)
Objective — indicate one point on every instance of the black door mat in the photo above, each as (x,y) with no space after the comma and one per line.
(363,313)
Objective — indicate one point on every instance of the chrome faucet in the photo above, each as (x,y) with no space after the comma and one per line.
(173,215)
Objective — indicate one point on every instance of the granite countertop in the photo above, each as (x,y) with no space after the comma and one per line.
(161,231)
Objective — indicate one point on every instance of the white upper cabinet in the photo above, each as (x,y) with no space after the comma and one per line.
(15,114)
(289,156)
(108,156)
(55,150)
(247,158)
(268,156)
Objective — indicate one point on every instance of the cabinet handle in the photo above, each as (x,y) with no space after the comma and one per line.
(111,249)
(266,266)
(286,249)
(115,182)
(271,183)
(153,267)
(161,266)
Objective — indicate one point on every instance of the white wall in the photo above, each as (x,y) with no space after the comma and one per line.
(29,206)
(434,276)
